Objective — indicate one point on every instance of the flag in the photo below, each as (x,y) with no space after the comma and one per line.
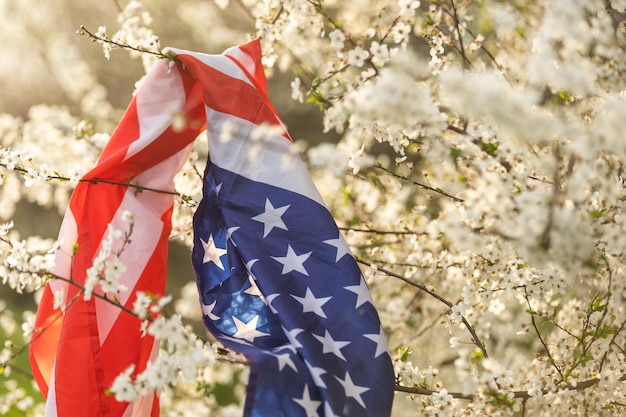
(276,279)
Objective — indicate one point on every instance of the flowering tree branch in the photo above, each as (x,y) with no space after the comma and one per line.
(104,39)
(433,294)
(422,185)
(65,178)
(523,395)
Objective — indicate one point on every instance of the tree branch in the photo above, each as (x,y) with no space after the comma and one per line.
(433,294)
(580,386)
(422,185)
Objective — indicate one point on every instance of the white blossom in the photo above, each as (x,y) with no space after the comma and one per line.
(408,7)
(296,92)
(337,39)
(59,299)
(357,56)
(359,160)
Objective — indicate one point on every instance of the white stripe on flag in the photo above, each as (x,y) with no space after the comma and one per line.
(216,62)
(147,208)
(269,160)
(51,400)
(243,58)
(161,96)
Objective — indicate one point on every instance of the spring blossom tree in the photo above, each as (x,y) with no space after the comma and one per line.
(471,151)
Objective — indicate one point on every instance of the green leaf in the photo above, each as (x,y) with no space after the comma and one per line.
(477,356)
(456,153)
(596,214)
(404,353)
(490,148)
(500,399)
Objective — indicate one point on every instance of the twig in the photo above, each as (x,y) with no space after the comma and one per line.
(540,337)
(245,9)
(37,333)
(101,297)
(127,183)
(97,38)
(117,5)
(433,294)
(516,394)
(457,24)
(424,186)
(381,232)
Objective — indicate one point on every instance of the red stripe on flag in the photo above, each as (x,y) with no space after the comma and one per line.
(229,95)
(48,324)
(168,143)
(71,346)
(253,49)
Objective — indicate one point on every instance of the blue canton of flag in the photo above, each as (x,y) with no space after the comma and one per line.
(279,285)
(276,279)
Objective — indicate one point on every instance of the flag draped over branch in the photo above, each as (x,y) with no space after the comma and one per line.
(276,280)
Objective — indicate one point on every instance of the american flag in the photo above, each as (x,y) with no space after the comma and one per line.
(276,280)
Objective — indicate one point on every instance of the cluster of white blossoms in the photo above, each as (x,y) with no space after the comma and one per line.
(478,175)
(107,267)
(135,32)
(24,263)
(181,356)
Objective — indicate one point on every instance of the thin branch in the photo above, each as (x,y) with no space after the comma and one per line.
(97,38)
(138,187)
(433,294)
(101,297)
(516,394)
(482,46)
(117,6)
(421,332)
(457,24)
(424,186)
(246,10)
(381,232)
(37,334)
(540,337)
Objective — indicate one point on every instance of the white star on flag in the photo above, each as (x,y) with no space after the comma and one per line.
(362,292)
(208,310)
(381,342)
(229,234)
(250,264)
(269,300)
(316,374)
(331,346)
(292,337)
(341,245)
(254,289)
(284,359)
(212,253)
(293,262)
(271,217)
(352,390)
(248,331)
(310,304)
(309,405)
(328,411)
